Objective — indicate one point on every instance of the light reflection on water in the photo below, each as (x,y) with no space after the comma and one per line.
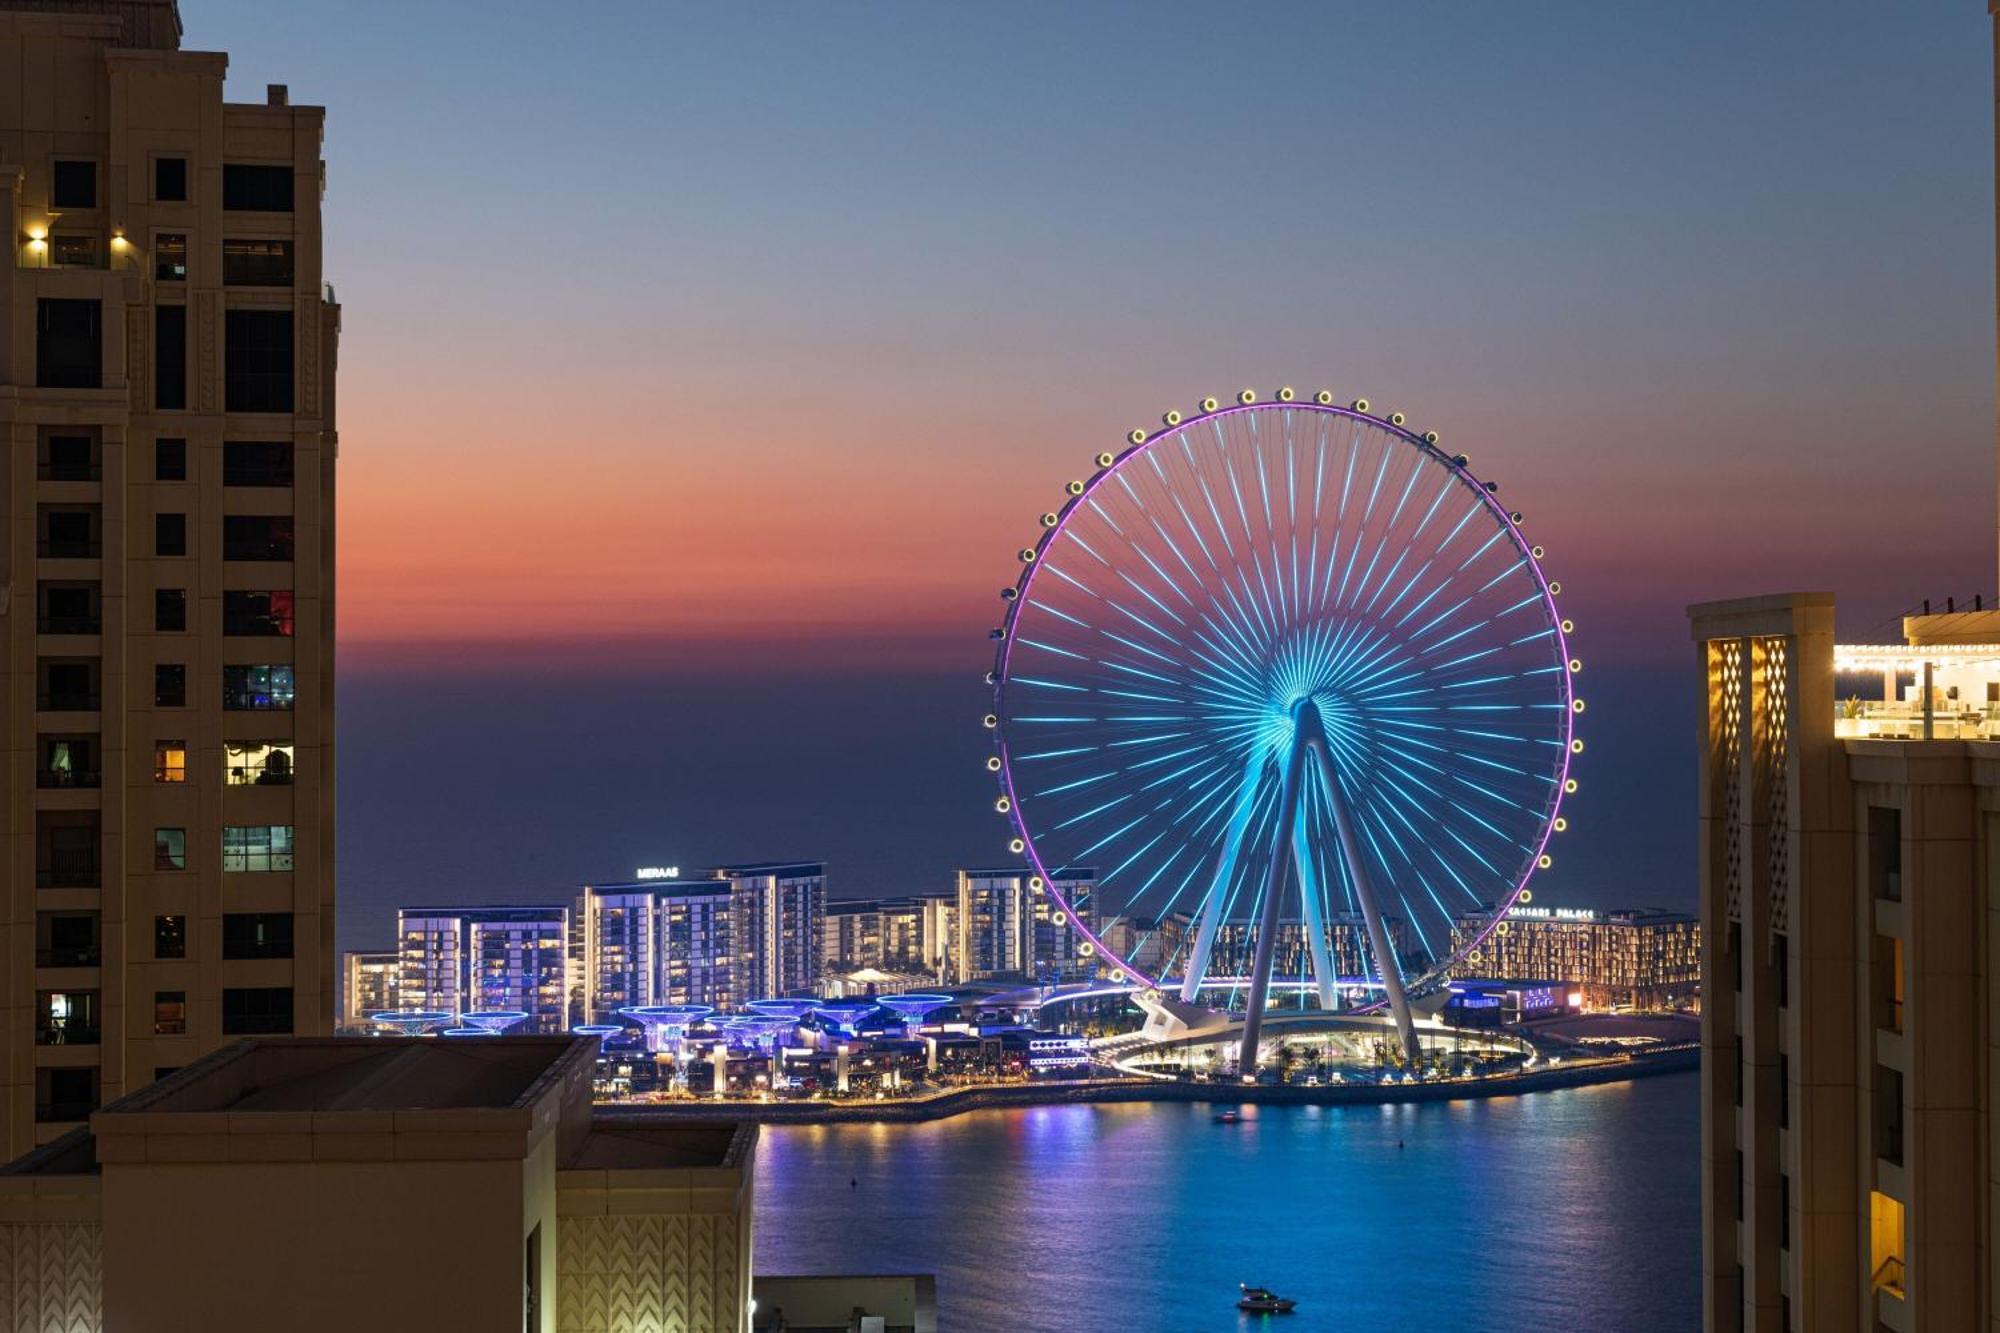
(1575,1209)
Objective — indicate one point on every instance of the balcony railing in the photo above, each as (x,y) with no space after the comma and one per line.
(79,955)
(59,1113)
(68,777)
(65,1032)
(69,472)
(68,701)
(69,625)
(69,870)
(69,548)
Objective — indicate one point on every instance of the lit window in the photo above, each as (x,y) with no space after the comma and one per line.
(170,761)
(170,849)
(257,688)
(257,847)
(169,1013)
(257,763)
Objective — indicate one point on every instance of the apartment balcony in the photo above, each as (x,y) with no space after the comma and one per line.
(69,472)
(69,871)
(62,1113)
(69,548)
(69,625)
(91,955)
(68,779)
(68,701)
(58,1032)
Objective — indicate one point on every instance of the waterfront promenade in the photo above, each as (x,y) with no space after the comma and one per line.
(958,1101)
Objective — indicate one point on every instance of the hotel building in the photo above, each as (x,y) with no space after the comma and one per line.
(167,403)
(1347,940)
(1630,958)
(461,960)
(1006,927)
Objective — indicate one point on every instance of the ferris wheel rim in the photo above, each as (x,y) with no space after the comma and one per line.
(1140,443)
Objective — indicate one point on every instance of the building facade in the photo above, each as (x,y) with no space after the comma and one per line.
(1006,925)
(461,960)
(778,923)
(1347,939)
(368,985)
(1631,958)
(1849,903)
(166,399)
(904,935)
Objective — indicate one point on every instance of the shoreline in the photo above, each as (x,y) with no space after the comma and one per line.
(1013,1096)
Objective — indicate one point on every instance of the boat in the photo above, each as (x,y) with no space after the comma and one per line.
(1262,1300)
(1228,1117)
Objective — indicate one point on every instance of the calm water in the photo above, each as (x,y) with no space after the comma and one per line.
(1558,1210)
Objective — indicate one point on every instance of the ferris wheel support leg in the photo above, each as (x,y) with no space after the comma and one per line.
(1324,978)
(1267,922)
(1371,910)
(1225,871)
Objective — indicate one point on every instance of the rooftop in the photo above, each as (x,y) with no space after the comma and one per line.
(361,1074)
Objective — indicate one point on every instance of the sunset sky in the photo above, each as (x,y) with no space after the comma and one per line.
(702,368)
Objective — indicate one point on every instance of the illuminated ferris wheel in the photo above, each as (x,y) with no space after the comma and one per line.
(1278,662)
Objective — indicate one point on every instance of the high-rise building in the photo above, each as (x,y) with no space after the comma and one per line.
(668,941)
(1008,926)
(888,934)
(1850,812)
(369,985)
(779,909)
(461,960)
(166,395)
(1641,958)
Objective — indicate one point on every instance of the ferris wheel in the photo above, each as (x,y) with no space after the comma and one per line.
(1284,665)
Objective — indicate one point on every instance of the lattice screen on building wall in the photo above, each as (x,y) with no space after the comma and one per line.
(1774,740)
(1726,700)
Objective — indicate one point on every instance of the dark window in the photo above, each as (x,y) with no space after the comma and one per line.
(170,685)
(170,256)
(256,263)
(170,460)
(170,1011)
(1885,852)
(70,534)
(257,688)
(66,847)
(68,687)
(67,939)
(69,344)
(63,1095)
(251,1010)
(75,185)
(1781,968)
(69,608)
(1784,1213)
(70,458)
(257,935)
(247,188)
(257,537)
(75,250)
(170,937)
(257,361)
(257,613)
(170,180)
(256,462)
(170,534)
(170,358)
(170,610)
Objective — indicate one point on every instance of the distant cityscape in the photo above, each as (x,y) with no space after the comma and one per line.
(730,936)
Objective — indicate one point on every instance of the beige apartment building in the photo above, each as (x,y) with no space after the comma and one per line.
(167,407)
(1850,893)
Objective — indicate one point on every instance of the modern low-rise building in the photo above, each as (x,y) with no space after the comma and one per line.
(340,1183)
(1633,958)
(167,405)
